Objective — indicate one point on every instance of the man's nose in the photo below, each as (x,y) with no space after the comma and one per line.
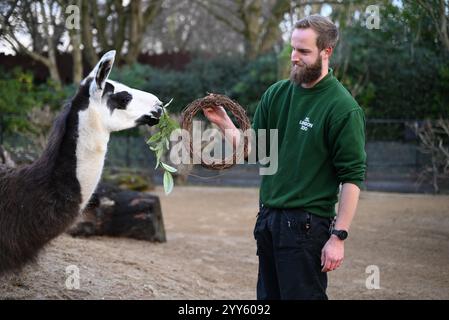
(295,56)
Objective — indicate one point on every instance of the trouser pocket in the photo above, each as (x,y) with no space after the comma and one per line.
(260,220)
(294,228)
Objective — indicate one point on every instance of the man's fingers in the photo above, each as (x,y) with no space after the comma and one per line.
(215,109)
(324,268)
(339,263)
(323,258)
(325,261)
(334,265)
(327,264)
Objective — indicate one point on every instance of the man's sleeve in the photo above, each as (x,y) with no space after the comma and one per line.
(260,123)
(347,145)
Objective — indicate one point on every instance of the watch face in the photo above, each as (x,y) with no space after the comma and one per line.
(343,235)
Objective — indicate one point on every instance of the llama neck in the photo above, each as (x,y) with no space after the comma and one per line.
(90,153)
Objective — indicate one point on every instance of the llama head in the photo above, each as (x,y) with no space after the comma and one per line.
(119,106)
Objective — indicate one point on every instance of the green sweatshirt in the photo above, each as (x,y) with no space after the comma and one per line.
(321,139)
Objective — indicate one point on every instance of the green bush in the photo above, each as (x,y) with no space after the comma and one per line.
(16,98)
(256,77)
(398,71)
(19,95)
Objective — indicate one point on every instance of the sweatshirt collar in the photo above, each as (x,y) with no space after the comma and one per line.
(324,83)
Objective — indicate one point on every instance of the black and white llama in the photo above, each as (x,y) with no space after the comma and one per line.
(39,201)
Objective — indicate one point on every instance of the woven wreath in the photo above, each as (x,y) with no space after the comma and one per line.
(240,116)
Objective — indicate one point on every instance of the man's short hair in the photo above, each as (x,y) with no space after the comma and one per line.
(327,31)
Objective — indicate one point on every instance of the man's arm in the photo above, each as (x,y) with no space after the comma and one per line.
(347,147)
(333,252)
(347,206)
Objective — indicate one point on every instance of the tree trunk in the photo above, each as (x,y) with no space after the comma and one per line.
(100,22)
(77,61)
(271,31)
(259,32)
(75,39)
(90,55)
(135,32)
(52,63)
(443,25)
(120,32)
(139,20)
(250,15)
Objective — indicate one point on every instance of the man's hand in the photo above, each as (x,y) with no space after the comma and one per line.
(218,115)
(332,254)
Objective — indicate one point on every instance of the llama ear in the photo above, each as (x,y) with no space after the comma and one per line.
(101,71)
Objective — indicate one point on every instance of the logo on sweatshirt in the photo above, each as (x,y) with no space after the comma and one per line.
(305,124)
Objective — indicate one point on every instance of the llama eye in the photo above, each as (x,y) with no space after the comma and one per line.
(109,89)
(119,100)
(126,99)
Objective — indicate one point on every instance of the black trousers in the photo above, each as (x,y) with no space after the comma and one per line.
(289,244)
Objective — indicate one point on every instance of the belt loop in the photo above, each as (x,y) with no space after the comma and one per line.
(308,221)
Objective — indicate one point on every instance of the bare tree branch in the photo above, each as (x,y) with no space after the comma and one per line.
(439,13)
(19,47)
(219,17)
(434,138)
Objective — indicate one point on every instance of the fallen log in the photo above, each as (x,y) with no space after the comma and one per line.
(121,213)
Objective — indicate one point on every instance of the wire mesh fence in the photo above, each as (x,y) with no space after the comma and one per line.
(394,159)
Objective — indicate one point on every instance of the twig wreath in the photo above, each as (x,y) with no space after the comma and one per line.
(240,115)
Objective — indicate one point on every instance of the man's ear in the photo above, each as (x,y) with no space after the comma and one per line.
(101,72)
(328,52)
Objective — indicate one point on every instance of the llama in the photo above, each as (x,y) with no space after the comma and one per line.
(39,201)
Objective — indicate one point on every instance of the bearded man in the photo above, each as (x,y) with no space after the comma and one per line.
(321,131)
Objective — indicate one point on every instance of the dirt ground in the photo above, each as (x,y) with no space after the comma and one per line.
(210,253)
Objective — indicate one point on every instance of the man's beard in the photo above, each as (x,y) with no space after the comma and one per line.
(307,73)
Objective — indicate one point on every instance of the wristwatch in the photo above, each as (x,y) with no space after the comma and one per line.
(341,234)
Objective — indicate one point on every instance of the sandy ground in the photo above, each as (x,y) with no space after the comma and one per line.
(210,253)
